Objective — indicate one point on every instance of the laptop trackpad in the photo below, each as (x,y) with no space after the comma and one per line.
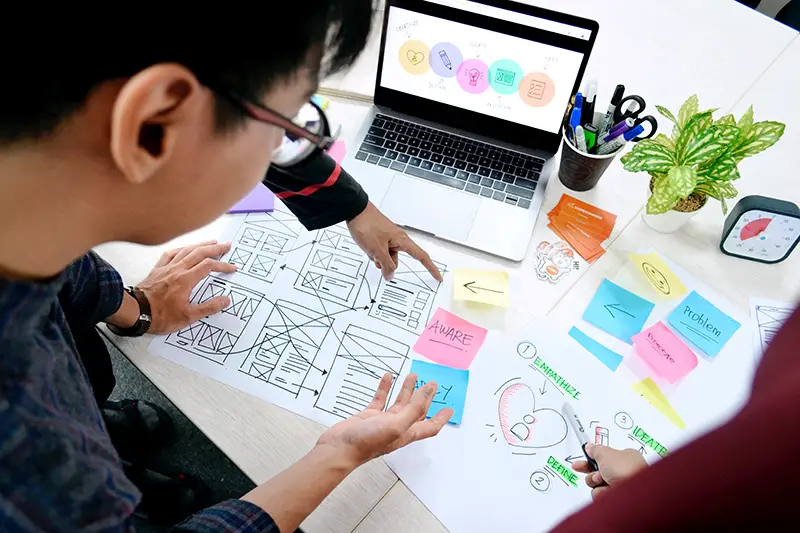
(447,213)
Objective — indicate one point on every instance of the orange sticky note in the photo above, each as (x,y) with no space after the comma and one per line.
(665,352)
(450,340)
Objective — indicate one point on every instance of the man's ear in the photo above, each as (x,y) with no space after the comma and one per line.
(150,113)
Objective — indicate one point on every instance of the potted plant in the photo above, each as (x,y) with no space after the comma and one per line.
(698,161)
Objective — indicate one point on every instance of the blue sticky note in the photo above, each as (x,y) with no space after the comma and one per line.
(702,324)
(608,357)
(452,391)
(617,311)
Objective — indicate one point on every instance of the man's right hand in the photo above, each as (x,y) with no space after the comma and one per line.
(615,465)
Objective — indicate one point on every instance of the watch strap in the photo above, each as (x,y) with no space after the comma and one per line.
(145,319)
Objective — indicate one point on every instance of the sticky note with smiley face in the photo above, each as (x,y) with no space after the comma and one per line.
(658,275)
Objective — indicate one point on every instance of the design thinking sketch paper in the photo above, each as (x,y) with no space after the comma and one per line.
(507,467)
(312,326)
(766,318)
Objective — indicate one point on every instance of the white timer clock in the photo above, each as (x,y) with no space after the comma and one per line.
(761,229)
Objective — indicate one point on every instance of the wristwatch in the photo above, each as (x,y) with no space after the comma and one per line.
(142,325)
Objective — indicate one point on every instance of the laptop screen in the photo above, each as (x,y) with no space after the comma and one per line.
(500,63)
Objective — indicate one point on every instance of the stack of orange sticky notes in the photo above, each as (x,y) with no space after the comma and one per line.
(582,225)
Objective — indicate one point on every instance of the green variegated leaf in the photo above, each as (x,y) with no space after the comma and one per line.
(696,125)
(710,144)
(727,120)
(747,119)
(667,113)
(758,138)
(728,135)
(665,141)
(648,156)
(676,132)
(727,189)
(688,109)
(660,200)
(723,169)
(681,181)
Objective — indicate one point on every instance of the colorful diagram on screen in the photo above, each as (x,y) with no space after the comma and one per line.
(474,76)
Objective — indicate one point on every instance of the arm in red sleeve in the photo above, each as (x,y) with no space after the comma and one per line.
(741,477)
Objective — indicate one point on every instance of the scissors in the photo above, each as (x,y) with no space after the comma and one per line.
(633,110)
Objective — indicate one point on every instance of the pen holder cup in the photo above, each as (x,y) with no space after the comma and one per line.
(578,170)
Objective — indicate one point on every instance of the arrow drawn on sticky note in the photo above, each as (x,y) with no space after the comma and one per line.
(471,287)
(616,307)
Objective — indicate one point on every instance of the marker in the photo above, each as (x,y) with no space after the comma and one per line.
(575,118)
(580,139)
(607,120)
(590,134)
(580,434)
(587,114)
(618,130)
(619,142)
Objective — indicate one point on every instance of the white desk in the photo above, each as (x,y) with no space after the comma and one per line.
(660,47)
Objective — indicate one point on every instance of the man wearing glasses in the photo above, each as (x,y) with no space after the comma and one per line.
(140,134)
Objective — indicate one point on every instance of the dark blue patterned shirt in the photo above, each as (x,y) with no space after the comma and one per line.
(58,469)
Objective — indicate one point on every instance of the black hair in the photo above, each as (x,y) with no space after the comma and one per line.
(47,78)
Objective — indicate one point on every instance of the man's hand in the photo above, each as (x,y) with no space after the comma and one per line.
(615,465)
(381,239)
(171,281)
(375,432)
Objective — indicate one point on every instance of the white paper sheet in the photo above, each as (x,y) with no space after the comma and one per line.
(312,326)
(499,470)
(766,318)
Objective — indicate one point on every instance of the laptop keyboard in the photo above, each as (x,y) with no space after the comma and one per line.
(451,160)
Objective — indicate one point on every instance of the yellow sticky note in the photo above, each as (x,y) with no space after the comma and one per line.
(484,286)
(659,275)
(650,391)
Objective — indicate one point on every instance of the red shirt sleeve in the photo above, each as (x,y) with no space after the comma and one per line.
(743,476)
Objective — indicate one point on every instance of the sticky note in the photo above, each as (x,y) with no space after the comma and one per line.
(650,392)
(608,357)
(452,387)
(338,150)
(665,352)
(484,286)
(450,340)
(653,269)
(702,324)
(617,311)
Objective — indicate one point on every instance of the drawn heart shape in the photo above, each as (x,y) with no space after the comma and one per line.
(525,426)
(415,57)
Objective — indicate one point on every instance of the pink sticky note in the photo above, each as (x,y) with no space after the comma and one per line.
(665,352)
(337,151)
(450,340)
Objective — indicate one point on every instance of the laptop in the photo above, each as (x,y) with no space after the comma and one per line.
(469,103)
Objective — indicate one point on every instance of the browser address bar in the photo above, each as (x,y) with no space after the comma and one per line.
(518,18)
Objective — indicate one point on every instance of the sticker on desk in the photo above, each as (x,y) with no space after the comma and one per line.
(450,340)
(648,389)
(666,354)
(452,387)
(483,286)
(617,311)
(658,275)
(702,324)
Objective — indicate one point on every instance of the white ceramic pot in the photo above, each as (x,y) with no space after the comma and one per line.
(668,222)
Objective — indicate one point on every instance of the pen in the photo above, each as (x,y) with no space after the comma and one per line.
(590,134)
(575,118)
(587,114)
(618,130)
(619,142)
(580,140)
(580,434)
(609,117)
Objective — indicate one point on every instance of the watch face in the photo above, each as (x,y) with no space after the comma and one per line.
(763,235)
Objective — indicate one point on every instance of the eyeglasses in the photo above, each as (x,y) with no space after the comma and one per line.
(305,134)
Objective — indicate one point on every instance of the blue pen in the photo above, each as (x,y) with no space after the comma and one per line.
(575,118)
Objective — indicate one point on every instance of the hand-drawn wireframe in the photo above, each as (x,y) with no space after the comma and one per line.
(261,241)
(287,345)
(334,268)
(214,337)
(521,424)
(361,360)
(406,300)
(769,319)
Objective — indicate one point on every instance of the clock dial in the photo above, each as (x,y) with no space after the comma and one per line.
(763,235)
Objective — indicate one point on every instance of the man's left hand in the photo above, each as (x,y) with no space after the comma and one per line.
(382,240)
(170,284)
